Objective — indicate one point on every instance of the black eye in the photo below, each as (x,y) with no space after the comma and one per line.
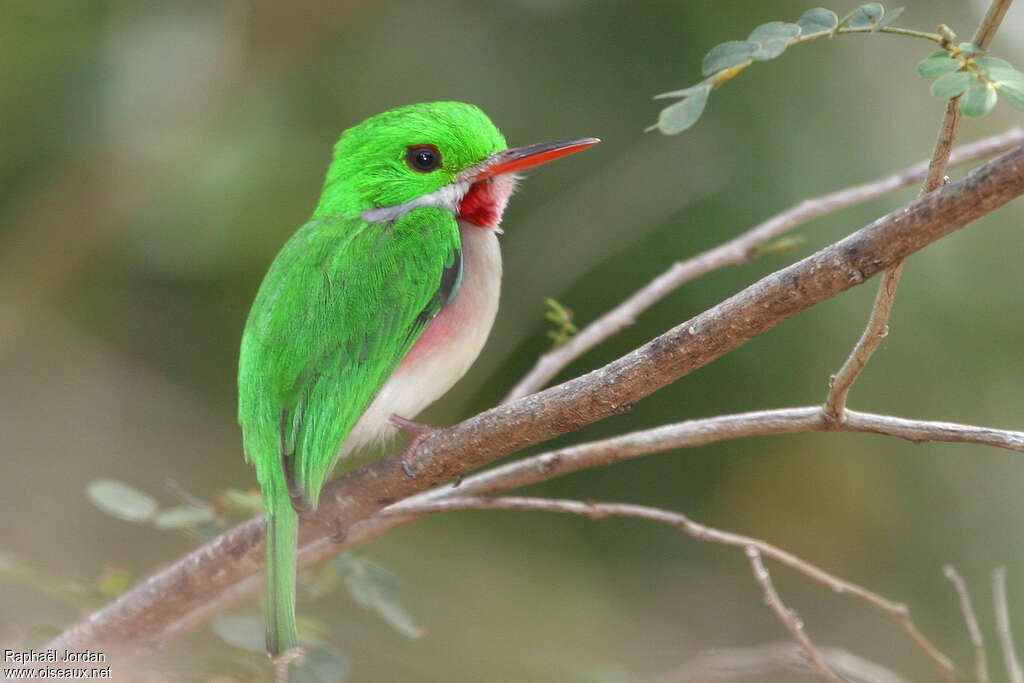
(423,158)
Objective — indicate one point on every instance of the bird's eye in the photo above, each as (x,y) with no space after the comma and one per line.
(423,158)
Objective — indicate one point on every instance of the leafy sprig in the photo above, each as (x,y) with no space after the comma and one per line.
(965,71)
(961,69)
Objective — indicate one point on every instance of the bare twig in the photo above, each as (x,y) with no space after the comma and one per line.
(140,615)
(753,663)
(788,617)
(1013,669)
(878,321)
(896,611)
(739,250)
(980,662)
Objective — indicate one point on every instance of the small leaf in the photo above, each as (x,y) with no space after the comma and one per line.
(1012,92)
(685,92)
(376,588)
(246,502)
(770,49)
(121,500)
(933,67)
(774,30)
(772,39)
(889,18)
(243,632)
(321,665)
(978,101)
(726,55)
(114,581)
(182,516)
(781,245)
(1001,75)
(866,16)
(952,84)
(991,63)
(681,115)
(817,20)
(970,48)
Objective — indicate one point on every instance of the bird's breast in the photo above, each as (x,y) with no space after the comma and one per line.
(448,345)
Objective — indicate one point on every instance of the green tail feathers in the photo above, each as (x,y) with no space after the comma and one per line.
(282,526)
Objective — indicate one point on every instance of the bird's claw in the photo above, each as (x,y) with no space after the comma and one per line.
(419,432)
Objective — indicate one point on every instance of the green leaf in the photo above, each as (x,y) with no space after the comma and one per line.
(376,588)
(244,632)
(114,581)
(890,17)
(1012,92)
(772,39)
(770,49)
(817,20)
(978,101)
(15,570)
(182,516)
(1002,75)
(725,56)
(678,117)
(774,30)
(991,63)
(121,500)
(321,665)
(866,16)
(685,92)
(970,48)
(933,67)
(952,84)
(246,502)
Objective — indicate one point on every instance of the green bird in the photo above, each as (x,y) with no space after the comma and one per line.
(373,309)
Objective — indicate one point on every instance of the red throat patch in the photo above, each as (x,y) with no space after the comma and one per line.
(483,204)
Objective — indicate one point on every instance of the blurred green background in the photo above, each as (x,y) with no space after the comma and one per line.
(154,156)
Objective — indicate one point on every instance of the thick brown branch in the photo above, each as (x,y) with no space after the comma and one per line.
(143,613)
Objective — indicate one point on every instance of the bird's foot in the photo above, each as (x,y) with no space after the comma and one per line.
(283,661)
(419,432)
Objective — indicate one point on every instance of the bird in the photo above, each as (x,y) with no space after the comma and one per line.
(373,309)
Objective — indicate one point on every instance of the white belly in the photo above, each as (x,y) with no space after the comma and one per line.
(447,347)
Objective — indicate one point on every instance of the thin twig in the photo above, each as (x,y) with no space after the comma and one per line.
(980,661)
(1013,669)
(878,321)
(755,662)
(788,617)
(739,250)
(596,511)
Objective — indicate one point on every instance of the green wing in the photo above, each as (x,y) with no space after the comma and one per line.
(338,310)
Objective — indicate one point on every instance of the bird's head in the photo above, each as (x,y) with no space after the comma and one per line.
(446,154)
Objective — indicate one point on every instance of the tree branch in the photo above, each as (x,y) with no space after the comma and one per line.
(739,250)
(753,663)
(753,547)
(143,613)
(788,617)
(545,466)
(1013,670)
(878,321)
(980,662)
